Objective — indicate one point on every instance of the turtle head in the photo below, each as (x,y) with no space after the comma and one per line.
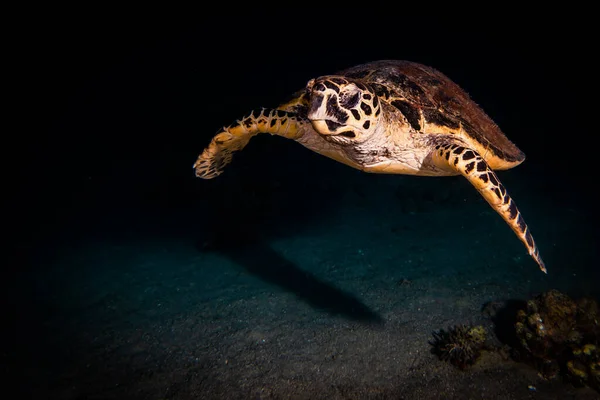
(343,110)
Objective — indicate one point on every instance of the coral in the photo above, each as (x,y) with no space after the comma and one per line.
(547,323)
(584,368)
(460,345)
(588,318)
(545,328)
(559,334)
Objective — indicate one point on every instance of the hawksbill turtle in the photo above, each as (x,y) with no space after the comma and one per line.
(388,117)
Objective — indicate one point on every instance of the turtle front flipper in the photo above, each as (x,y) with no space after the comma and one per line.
(235,137)
(455,156)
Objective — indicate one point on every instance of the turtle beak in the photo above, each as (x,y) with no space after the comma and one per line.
(320,126)
(325,126)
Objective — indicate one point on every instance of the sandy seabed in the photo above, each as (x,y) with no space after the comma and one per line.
(343,307)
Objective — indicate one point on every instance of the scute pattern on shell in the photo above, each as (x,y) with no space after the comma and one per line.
(416,89)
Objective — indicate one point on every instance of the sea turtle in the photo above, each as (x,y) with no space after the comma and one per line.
(389,117)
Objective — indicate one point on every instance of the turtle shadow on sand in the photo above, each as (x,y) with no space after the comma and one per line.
(256,256)
(242,234)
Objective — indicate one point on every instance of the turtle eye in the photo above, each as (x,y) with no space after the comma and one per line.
(349,100)
(319,87)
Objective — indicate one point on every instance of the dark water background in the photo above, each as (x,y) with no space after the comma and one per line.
(99,177)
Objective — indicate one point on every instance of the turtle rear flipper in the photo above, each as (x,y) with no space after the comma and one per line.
(455,156)
(235,137)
